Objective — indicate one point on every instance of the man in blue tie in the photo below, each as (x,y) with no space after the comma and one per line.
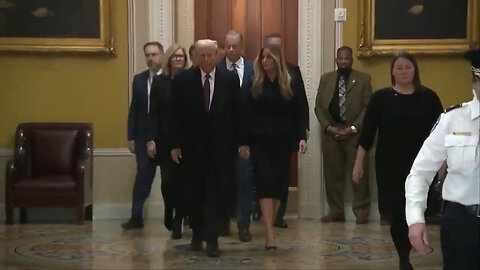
(138,131)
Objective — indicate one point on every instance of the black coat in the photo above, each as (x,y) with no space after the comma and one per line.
(138,112)
(161,106)
(301,112)
(209,140)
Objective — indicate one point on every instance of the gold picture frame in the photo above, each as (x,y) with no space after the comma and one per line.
(369,44)
(102,42)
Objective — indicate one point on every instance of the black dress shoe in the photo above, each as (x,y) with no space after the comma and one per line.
(177,228)
(281,224)
(244,235)
(270,248)
(405,266)
(168,218)
(212,250)
(195,245)
(225,230)
(176,235)
(133,223)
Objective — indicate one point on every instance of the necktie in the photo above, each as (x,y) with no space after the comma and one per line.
(206,92)
(234,66)
(150,80)
(342,89)
(235,69)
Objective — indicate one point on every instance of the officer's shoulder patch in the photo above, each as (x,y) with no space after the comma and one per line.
(455,107)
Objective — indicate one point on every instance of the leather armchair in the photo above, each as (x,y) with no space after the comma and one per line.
(48,168)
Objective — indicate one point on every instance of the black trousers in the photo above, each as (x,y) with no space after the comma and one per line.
(206,214)
(171,186)
(460,238)
(399,230)
(146,168)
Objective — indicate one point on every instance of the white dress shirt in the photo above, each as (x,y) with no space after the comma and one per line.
(212,83)
(240,67)
(456,140)
(149,87)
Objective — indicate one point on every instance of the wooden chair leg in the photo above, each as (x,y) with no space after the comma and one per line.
(8,215)
(23,216)
(80,214)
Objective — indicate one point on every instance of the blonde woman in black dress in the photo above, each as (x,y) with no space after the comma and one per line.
(277,124)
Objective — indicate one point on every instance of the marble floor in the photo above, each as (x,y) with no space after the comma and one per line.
(306,244)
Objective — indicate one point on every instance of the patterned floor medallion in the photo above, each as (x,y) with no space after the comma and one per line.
(100,245)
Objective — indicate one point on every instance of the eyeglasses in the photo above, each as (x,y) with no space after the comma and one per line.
(178,56)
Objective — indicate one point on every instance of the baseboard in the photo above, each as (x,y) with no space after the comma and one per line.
(46,215)
(374,214)
(111,211)
(6,152)
(97,152)
(122,211)
(101,152)
(312,211)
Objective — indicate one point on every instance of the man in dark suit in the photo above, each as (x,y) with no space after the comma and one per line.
(235,62)
(275,39)
(341,102)
(138,132)
(206,134)
(193,55)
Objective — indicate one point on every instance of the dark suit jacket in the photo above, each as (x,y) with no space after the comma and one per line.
(209,140)
(301,109)
(359,91)
(138,113)
(247,73)
(161,106)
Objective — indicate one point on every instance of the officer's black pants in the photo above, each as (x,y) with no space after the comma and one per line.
(460,238)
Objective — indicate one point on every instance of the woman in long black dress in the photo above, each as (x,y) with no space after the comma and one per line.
(403,114)
(277,117)
(158,147)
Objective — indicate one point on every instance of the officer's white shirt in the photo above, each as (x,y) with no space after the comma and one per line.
(456,140)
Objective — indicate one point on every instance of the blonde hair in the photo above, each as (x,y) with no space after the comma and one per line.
(281,71)
(166,66)
(206,43)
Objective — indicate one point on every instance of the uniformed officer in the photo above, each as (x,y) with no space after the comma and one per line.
(456,140)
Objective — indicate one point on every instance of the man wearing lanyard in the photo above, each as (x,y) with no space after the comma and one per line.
(455,139)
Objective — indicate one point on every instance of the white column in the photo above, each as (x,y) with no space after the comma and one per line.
(315,47)
(161,14)
(338,28)
(185,22)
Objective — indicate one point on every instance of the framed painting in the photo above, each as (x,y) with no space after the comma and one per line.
(55,25)
(417,26)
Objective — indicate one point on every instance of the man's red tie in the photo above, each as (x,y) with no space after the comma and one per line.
(206,92)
